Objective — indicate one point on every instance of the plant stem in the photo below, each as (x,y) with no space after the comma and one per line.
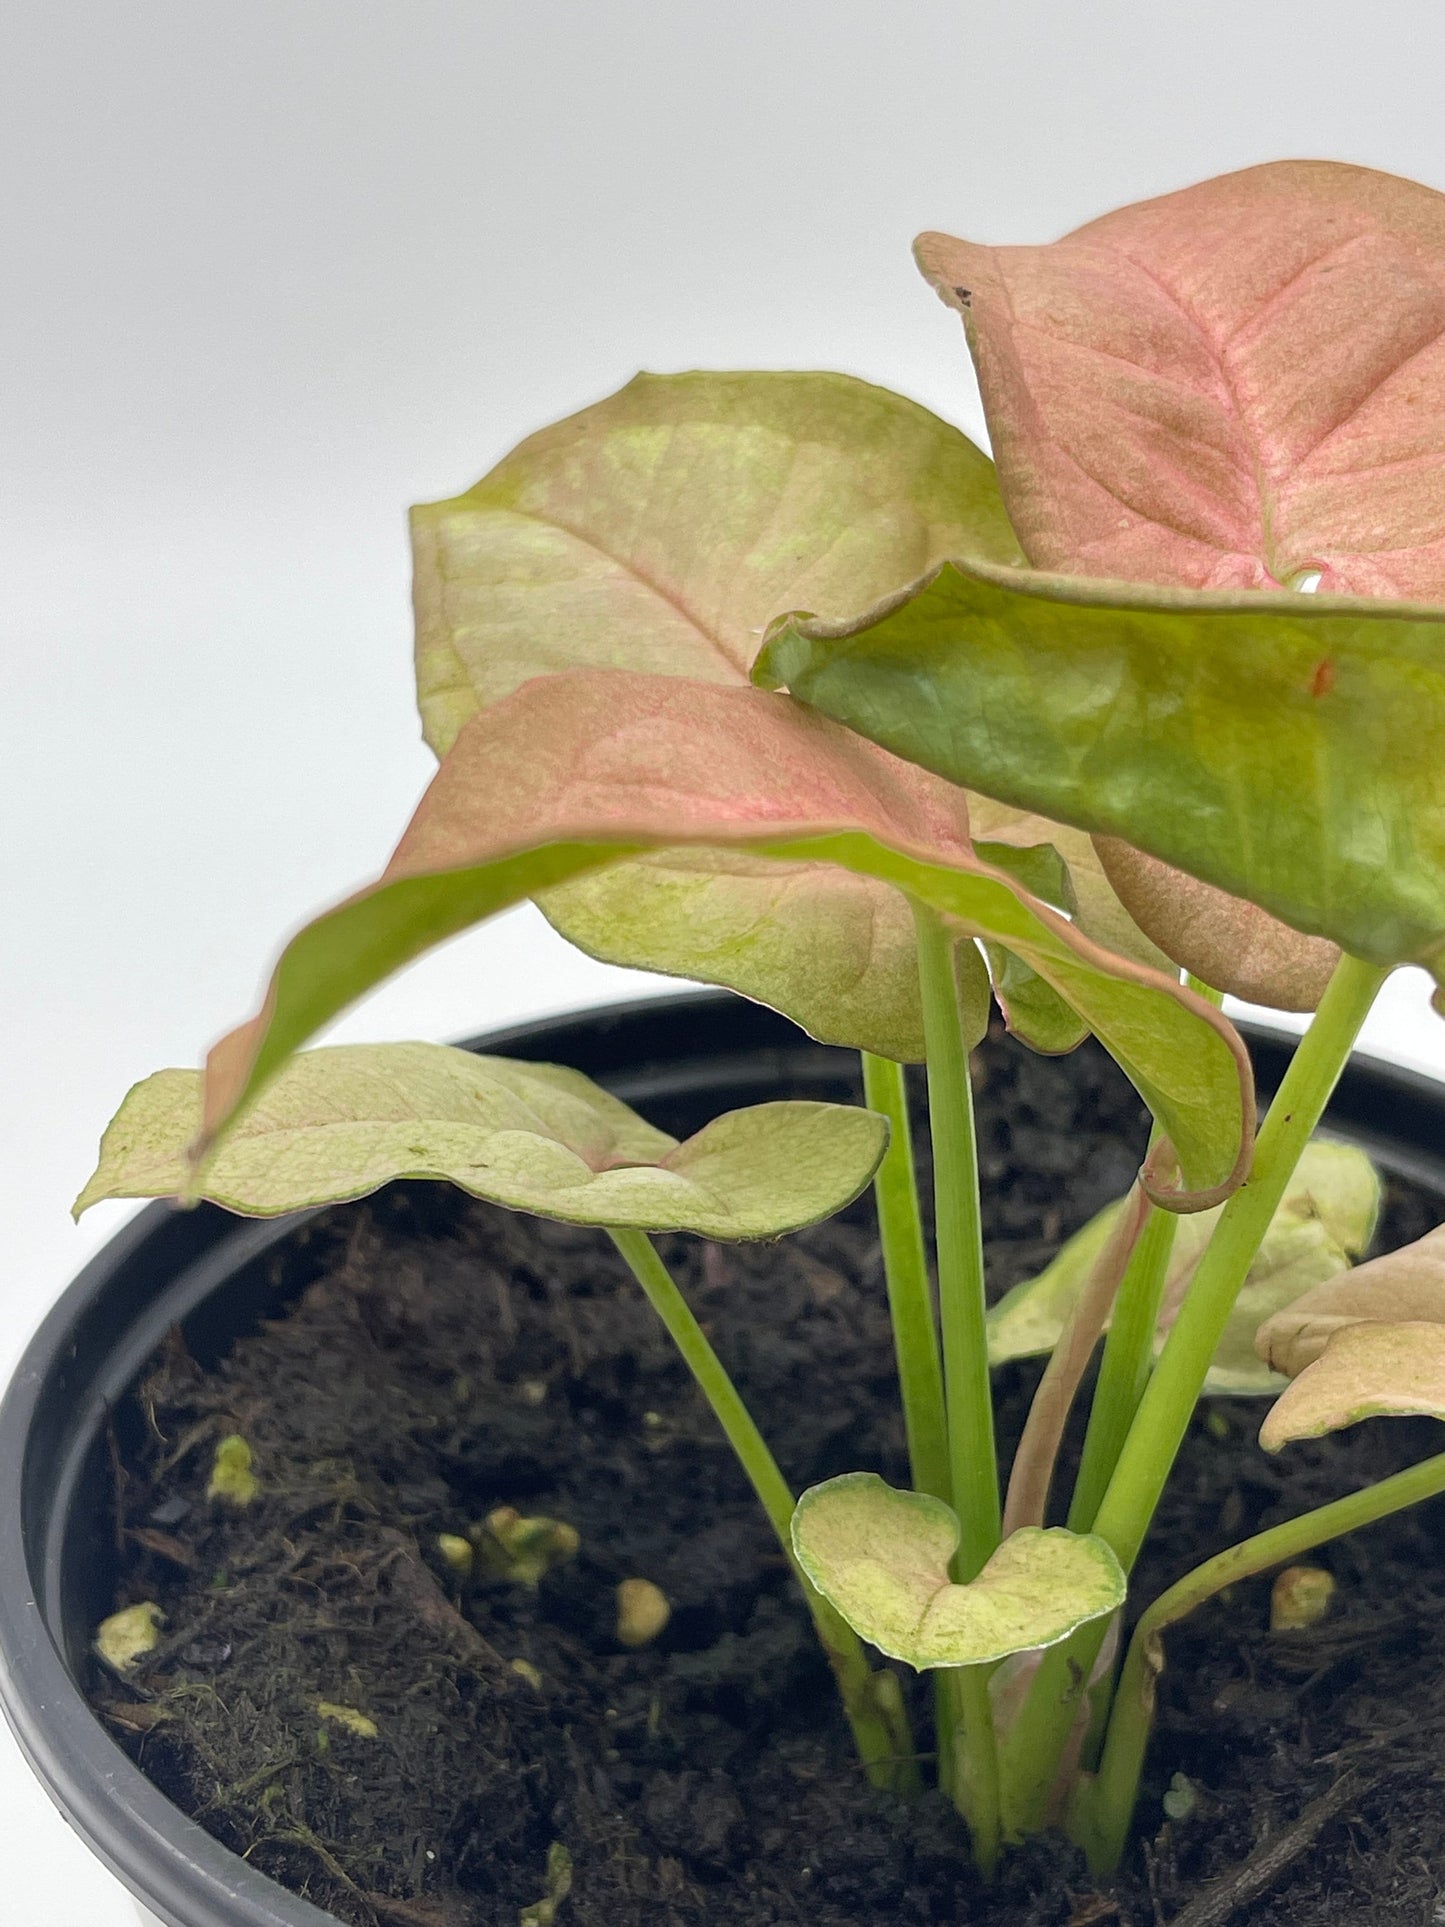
(1128,1356)
(971,1776)
(1176,1382)
(910,1300)
(1037,1740)
(1026,1503)
(1105,1808)
(1125,1366)
(973,1460)
(878,1720)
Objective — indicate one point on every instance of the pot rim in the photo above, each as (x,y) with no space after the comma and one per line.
(678,1041)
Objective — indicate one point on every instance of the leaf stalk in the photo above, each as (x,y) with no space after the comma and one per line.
(973,1460)
(1104,1807)
(910,1298)
(1035,1745)
(878,1719)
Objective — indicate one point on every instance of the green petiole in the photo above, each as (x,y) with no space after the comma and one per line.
(1034,1747)
(973,1460)
(910,1299)
(878,1718)
(1105,1805)
(1128,1356)
(962,1707)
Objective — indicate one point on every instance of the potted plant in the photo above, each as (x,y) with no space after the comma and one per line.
(1053,733)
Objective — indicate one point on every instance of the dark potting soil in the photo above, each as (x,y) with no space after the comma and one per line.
(446,1358)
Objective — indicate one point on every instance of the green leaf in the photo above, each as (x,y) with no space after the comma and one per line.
(831,949)
(882,1557)
(339,1122)
(1285,748)
(1400,1287)
(659,531)
(1032,1009)
(1325,1219)
(1061,866)
(1365,1371)
(1232,386)
(574,771)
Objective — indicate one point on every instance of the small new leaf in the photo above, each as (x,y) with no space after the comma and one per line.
(1365,1371)
(1325,1219)
(882,1557)
(339,1122)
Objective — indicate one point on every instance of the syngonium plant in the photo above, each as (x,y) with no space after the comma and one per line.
(776,681)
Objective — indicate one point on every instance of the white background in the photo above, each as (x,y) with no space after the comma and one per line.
(274,270)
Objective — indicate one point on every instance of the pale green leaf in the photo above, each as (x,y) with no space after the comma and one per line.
(659,531)
(663,528)
(832,950)
(339,1122)
(881,1556)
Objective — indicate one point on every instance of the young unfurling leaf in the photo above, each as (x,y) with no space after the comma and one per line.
(882,1556)
(1325,1220)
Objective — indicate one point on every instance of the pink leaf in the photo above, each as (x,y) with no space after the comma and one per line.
(575,771)
(1237,385)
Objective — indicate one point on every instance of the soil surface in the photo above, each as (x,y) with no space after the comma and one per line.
(445,1359)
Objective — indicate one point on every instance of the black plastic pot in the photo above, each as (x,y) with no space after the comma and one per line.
(681,1060)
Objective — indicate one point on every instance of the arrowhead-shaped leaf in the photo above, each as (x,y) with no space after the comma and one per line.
(573,771)
(1325,1219)
(339,1122)
(662,529)
(659,531)
(1236,388)
(881,1556)
(1285,748)
(1365,1371)
(1230,386)
(1400,1287)
(832,949)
